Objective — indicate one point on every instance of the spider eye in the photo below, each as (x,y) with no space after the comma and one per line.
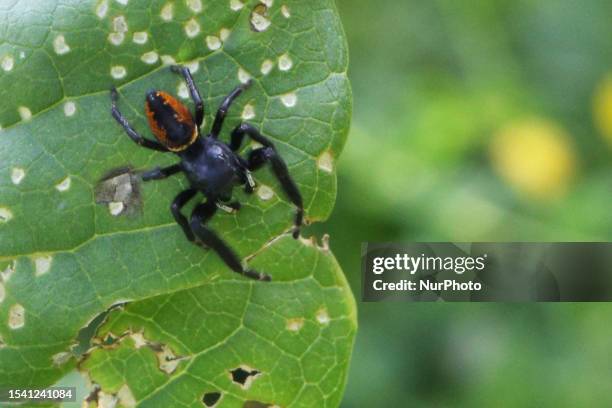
(170,121)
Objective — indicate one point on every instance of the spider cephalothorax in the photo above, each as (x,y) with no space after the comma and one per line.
(211,166)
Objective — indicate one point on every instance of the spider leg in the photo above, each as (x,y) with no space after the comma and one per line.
(161,173)
(231,207)
(249,183)
(177,205)
(246,179)
(268,154)
(200,215)
(225,105)
(149,144)
(193,91)
(244,129)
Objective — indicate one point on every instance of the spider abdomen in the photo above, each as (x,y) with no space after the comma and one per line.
(170,121)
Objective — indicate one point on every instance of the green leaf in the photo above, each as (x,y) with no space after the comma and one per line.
(68,254)
(295,335)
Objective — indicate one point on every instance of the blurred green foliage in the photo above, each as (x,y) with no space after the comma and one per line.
(473,121)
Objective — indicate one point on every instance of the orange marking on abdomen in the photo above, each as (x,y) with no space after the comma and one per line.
(181,114)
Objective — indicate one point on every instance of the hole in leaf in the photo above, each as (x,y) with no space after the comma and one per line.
(244,376)
(211,398)
(110,339)
(88,332)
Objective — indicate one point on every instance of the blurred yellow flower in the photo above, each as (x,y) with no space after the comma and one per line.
(535,157)
(603,108)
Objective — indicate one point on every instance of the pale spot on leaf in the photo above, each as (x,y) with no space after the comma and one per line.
(120,27)
(150,57)
(195,5)
(120,24)
(224,34)
(61,358)
(265,193)
(285,11)
(168,60)
(5,215)
(125,396)
(2,292)
(322,316)
(289,100)
(259,21)
(122,2)
(140,37)
(102,9)
(295,325)
(118,71)
(268,3)
(7,63)
(42,265)
(285,62)
(326,162)
(168,361)
(243,76)
(25,113)
(116,38)
(60,46)
(248,112)
(267,66)
(182,90)
(167,12)
(6,274)
(115,208)
(213,42)
(139,340)
(69,108)
(64,185)
(236,5)
(17,175)
(16,319)
(106,400)
(193,66)
(192,28)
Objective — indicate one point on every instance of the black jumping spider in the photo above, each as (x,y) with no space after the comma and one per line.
(211,166)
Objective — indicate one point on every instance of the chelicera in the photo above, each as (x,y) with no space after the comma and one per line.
(212,167)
